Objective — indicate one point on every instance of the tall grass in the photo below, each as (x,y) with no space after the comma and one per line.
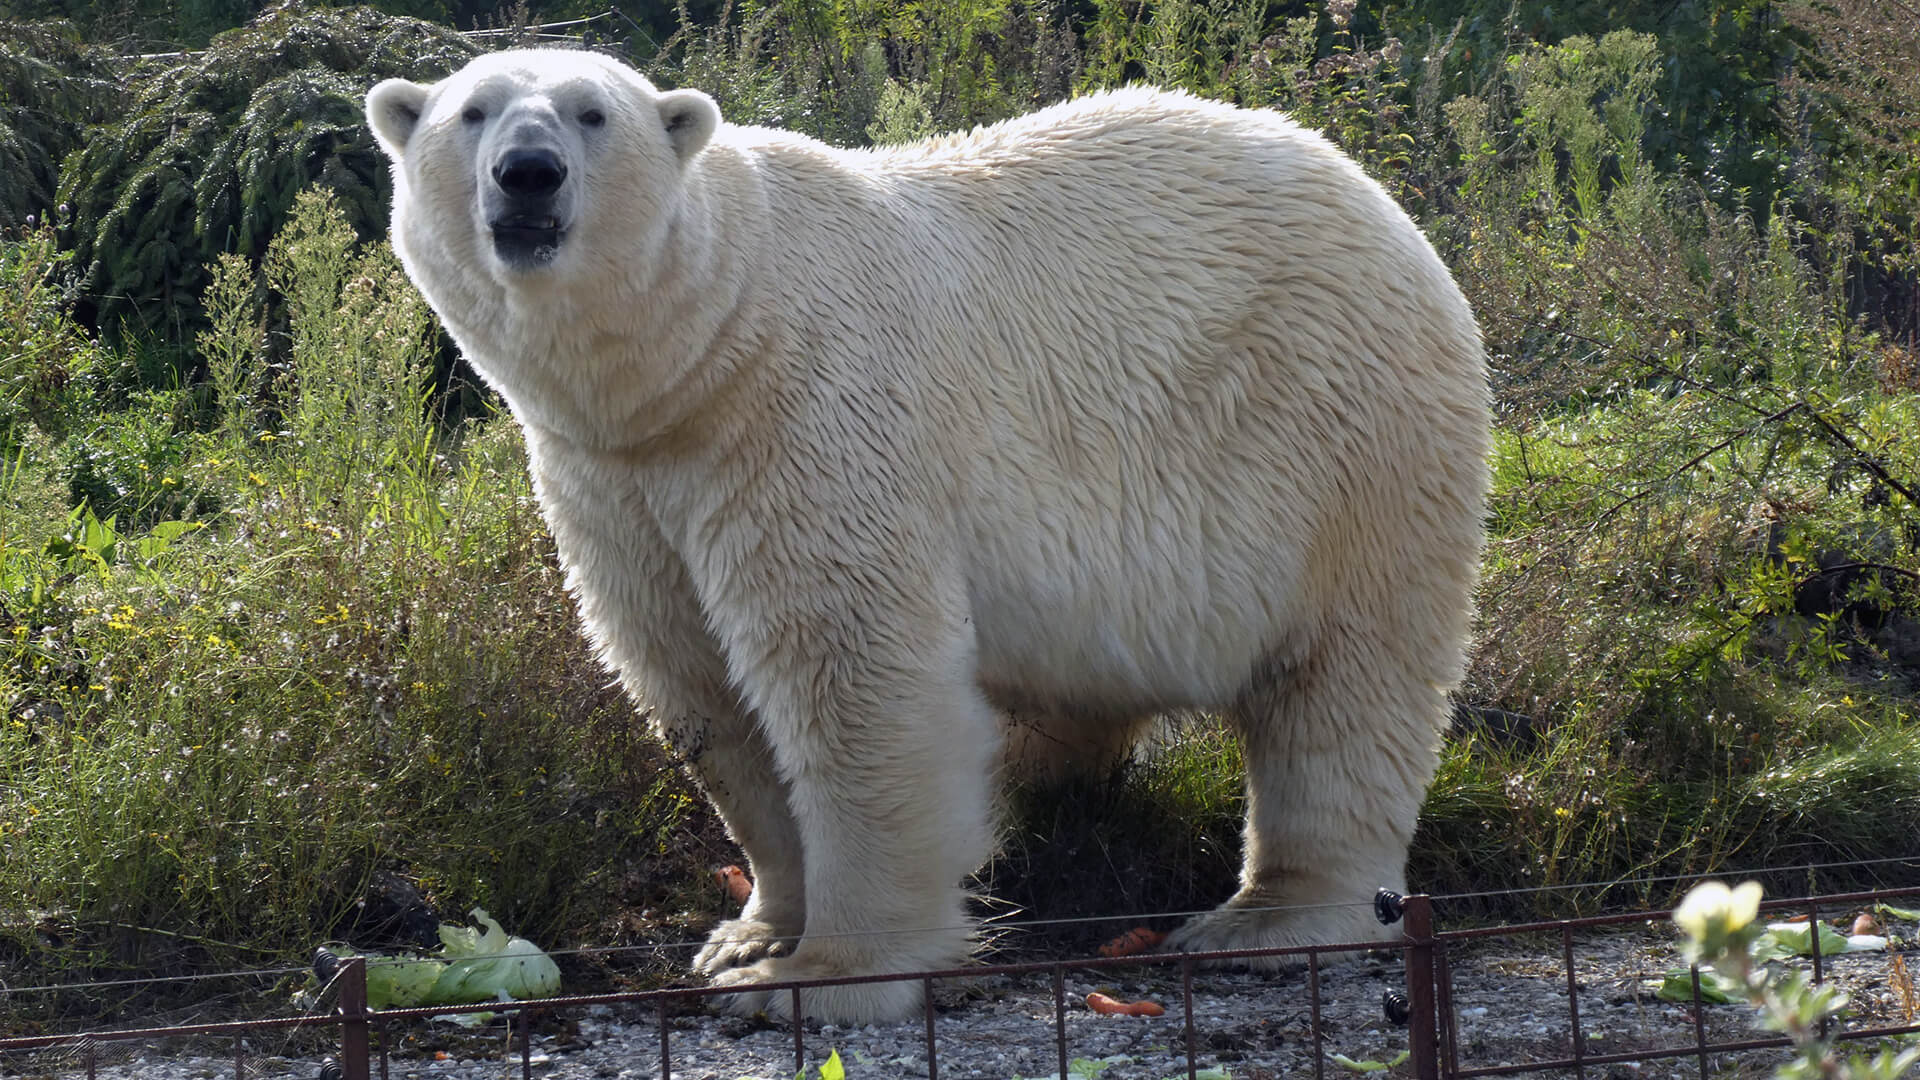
(1695,432)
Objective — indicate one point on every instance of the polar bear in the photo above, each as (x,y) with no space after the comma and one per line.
(1139,403)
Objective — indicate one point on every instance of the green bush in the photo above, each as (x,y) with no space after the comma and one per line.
(1860,162)
(52,85)
(1694,431)
(138,464)
(46,363)
(883,73)
(211,148)
(363,664)
(1719,63)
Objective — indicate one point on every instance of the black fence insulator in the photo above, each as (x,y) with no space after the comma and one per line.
(1398,1009)
(325,964)
(330,1070)
(1388,906)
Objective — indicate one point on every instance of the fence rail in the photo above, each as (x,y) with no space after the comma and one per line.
(1426,1008)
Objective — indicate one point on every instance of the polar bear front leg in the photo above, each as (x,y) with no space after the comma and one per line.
(865,688)
(734,766)
(639,606)
(676,666)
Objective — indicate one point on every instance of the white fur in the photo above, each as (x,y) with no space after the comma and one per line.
(1138,403)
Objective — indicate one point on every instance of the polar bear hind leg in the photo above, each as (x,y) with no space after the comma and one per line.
(1050,744)
(1339,749)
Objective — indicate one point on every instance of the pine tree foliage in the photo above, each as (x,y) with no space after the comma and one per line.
(212,148)
(51,86)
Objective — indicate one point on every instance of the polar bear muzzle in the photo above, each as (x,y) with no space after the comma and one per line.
(524,211)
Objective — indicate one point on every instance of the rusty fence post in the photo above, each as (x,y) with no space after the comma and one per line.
(1060,1013)
(1813,940)
(666,1048)
(1423,1043)
(353,1025)
(926,1003)
(799,1035)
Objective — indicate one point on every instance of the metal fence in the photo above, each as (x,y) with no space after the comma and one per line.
(1425,1008)
(1444,1055)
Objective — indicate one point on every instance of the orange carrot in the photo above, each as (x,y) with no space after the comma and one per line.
(1101,1003)
(735,882)
(1137,940)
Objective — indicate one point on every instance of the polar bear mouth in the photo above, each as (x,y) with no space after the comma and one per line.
(527,240)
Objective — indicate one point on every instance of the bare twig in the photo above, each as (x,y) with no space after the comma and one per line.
(1648,488)
(1864,459)
(1841,568)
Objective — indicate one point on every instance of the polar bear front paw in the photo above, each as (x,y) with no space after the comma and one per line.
(858,1004)
(738,942)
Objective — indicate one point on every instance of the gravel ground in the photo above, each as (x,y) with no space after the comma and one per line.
(1510,999)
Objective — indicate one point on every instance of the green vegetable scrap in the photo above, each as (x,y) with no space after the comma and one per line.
(491,966)
(1796,939)
(473,965)
(401,983)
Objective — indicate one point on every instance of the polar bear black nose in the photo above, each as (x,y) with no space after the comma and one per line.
(530,173)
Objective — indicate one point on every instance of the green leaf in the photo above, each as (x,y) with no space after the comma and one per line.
(831,1069)
(1715,988)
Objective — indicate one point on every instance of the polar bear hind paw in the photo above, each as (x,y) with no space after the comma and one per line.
(856,1004)
(1231,928)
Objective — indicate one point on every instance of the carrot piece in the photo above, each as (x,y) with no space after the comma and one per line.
(735,882)
(1101,1003)
(1137,940)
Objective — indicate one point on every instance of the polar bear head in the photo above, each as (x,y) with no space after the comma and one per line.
(507,164)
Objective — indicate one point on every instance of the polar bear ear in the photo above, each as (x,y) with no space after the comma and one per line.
(393,111)
(690,118)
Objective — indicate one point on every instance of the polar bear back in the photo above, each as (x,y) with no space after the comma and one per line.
(1176,364)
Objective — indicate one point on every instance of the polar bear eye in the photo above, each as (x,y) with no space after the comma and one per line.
(473,115)
(593,118)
